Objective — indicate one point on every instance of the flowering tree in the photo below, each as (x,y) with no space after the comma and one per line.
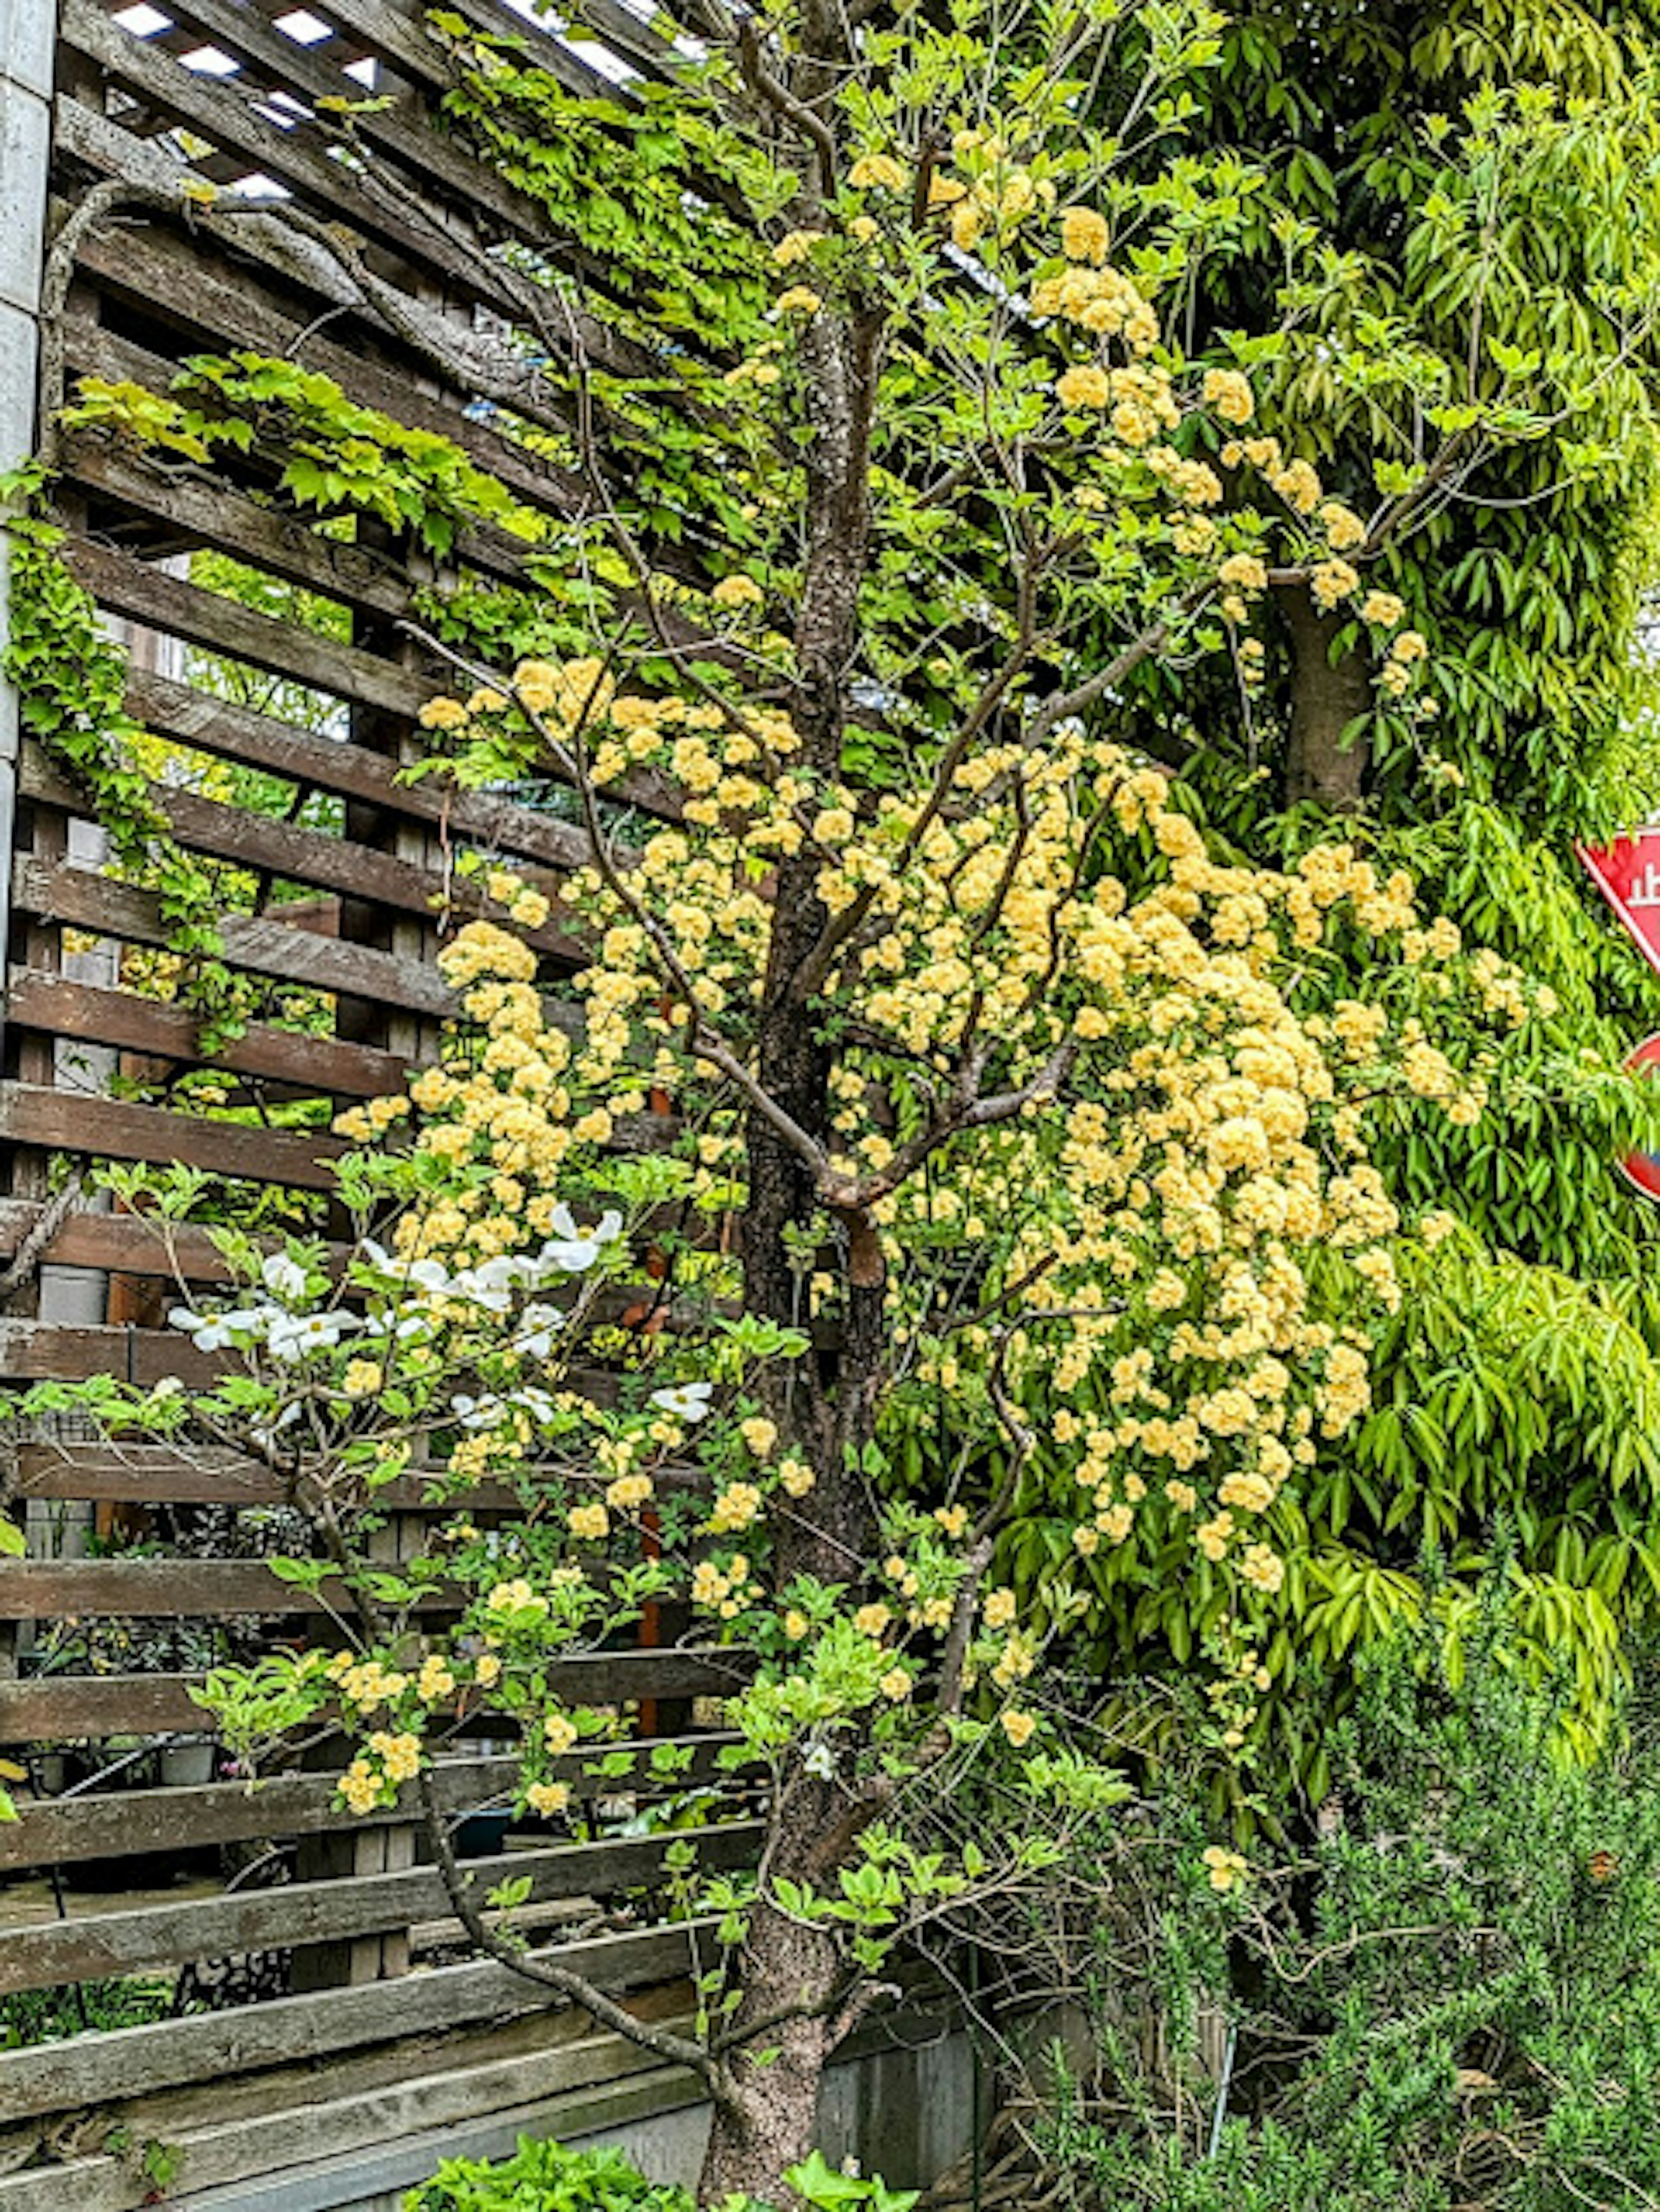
(932,1112)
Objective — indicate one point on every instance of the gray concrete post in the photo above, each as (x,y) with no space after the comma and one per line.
(28,31)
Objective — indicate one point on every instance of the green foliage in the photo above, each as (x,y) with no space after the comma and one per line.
(32,2016)
(334,455)
(826,2187)
(71,680)
(545,2176)
(1454,1998)
(1464,198)
(1456,204)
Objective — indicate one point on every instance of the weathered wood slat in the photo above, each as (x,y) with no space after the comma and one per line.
(334,187)
(86,1707)
(573,2085)
(212,513)
(267,946)
(418,145)
(115,1943)
(36,1351)
(296,853)
(122,1243)
(41,1352)
(69,1831)
(233,732)
(111,1128)
(164,1589)
(36,1000)
(174,1475)
(135,2061)
(144,593)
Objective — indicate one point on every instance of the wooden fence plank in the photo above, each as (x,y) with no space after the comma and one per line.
(133,2062)
(74,1708)
(295,852)
(267,946)
(213,512)
(167,1589)
(589,2081)
(124,1243)
(83,1708)
(101,1944)
(174,1474)
(335,188)
(111,1128)
(144,593)
(65,1832)
(290,1057)
(232,732)
(420,145)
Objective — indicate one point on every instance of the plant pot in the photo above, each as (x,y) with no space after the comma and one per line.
(187,1765)
(482,1835)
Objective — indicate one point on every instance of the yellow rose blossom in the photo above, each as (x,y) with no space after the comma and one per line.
(1083,387)
(1084,235)
(1000,1608)
(877,172)
(1226,1869)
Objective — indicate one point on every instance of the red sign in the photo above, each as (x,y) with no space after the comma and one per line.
(1642,1169)
(1627,873)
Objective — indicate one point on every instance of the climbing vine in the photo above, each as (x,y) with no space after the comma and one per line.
(331,454)
(70,679)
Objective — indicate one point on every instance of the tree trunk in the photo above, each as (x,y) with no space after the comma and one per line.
(767,2118)
(1327,696)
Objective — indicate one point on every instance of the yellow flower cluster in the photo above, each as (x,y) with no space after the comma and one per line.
(1226,1869)
(1228,394)
(995,194)
(1103,302)
(724,1590)
(365,1683)
(375,1774)
(1190,1138)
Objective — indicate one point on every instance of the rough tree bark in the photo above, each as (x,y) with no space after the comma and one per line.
(1327,696)
(765,2116)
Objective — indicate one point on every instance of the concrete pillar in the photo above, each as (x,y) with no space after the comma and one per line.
(27,40)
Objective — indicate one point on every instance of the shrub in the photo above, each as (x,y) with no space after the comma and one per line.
(546,2177)
(1450,1997)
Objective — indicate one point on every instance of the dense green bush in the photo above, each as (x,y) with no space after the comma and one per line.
(1451,1999)
(546,2177)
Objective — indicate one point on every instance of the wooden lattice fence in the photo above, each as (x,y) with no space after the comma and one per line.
(146,1561)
